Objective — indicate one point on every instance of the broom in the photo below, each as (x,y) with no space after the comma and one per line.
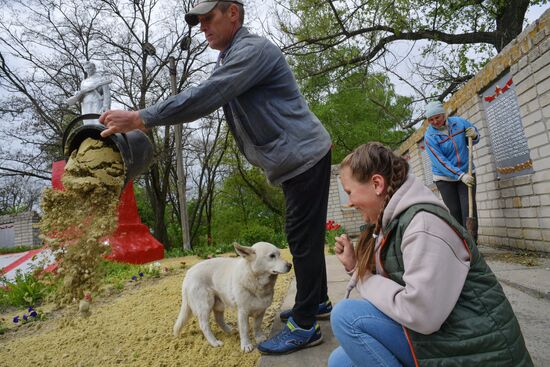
(471,221)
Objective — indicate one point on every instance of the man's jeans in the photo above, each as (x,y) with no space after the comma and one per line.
(367,337)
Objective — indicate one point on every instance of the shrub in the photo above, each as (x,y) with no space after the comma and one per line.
(177,252)
(280,240)
(257,233)
(24,291)
(117,273)
(212,251)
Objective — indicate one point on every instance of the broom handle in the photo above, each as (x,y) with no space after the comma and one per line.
(470,188)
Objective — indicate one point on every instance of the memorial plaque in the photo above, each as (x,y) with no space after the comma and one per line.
(507,137)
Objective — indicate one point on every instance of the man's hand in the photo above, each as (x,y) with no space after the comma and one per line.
(345,252)
(471,133)
(468,180)
(118,121)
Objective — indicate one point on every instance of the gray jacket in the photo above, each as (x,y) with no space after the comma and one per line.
(266,112)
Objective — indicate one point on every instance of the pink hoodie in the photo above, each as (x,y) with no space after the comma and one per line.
(436,264)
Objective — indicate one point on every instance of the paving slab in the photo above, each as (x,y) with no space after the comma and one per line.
(533,316)
(524,286)
(318,355)
(532,280)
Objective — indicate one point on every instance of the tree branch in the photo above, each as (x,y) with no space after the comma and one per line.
(16,172)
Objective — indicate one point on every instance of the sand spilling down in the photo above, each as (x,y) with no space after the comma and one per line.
(77,219)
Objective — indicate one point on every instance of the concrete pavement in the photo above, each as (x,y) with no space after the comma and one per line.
(527,288)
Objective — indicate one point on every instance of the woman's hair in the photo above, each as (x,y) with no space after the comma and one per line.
(224,5)
(365,161)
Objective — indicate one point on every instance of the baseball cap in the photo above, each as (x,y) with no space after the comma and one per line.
(204,7)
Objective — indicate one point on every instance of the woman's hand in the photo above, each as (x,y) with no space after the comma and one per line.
(345,252)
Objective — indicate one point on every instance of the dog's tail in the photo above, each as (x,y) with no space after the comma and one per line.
(185,312)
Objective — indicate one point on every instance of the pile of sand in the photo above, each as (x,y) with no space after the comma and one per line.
(132,329)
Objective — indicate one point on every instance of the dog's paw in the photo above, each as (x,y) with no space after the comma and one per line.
(247,348)
(216,343)
(260,338)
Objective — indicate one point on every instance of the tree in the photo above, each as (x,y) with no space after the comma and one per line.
(18,194)
(208,149)
(362,109)
(43,45)
(246,202)
(336,38)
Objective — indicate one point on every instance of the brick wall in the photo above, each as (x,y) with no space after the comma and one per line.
(512,211)
(7,231)
(25,229)
(338,210)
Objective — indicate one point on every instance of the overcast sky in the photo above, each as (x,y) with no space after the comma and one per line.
(260,19)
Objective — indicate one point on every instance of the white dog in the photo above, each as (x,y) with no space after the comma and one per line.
(245,283)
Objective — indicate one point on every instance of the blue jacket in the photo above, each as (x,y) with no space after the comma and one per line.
(448,150)
(267,114)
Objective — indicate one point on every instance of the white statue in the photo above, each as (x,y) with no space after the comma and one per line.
(94,94)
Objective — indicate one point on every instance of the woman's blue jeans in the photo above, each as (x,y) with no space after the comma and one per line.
(367,337)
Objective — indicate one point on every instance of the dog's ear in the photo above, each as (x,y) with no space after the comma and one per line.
(244,251)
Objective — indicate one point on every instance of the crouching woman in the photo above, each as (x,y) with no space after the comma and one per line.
(428,297)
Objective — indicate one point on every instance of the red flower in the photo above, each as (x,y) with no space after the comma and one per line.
(331,225)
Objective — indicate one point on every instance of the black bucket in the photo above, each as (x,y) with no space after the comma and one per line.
(134,146)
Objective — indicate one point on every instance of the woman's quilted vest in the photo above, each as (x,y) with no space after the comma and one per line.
(482,329)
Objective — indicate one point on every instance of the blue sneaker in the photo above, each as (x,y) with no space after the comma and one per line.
(291,339)
(323,312)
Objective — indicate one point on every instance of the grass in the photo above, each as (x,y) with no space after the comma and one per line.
(17,249)
(32,289)
(25,290)
(118,274)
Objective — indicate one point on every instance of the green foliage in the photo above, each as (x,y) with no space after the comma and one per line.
(174,232)
(147,215)
(24,291)
(177,252)
(362,109)
(14,210)
(145,209)
(238,208)
(116,273)
(205,252)
(328,41)
(17,249)
(257,233)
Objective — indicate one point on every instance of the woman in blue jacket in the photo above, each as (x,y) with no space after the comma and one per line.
(446,142)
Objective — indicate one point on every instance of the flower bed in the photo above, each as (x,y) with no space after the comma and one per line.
(131,328)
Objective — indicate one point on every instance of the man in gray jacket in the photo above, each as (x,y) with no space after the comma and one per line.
(276,131)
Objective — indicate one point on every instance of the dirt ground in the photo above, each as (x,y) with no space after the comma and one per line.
(131,328)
